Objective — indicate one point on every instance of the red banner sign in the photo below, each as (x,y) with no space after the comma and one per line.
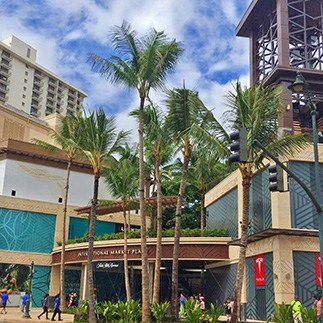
(318,269)
(259,266)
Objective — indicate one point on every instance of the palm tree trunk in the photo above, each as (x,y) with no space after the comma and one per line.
(125,255)
(62,282)
(94,202)
(243,247)
(202,211)
(143,227)
(177,237)
(159,235)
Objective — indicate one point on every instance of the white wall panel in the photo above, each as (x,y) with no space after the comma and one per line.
(43,183)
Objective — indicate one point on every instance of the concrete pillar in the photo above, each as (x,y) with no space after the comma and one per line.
(54,280)
(283,268)
(84,282)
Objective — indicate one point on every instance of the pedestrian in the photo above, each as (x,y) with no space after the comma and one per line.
(57,308)
(318,309)
(315,301)
(228,309)
(182,300)
(45,306)
(202,303)
(5,299)
(24,302)
(296,309)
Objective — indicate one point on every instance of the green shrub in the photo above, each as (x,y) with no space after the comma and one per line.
(151,234)
(128,312)
(309,315)
(159,311)
(192,313)
(283,314)
(213,313)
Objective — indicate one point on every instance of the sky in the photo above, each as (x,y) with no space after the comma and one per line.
(64,32)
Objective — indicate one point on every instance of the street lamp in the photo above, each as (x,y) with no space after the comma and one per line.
(26,312)
(300,85)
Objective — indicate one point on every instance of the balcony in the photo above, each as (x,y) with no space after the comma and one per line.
(37,90)
(3,97)
(51,97)
(60,93)
(36,97)
(49,104)
(6,55)
(70,107)
(4,80)
(37,73)
(38,81)
(71,94)
(3,89)
(70,100)
(48,111)
(34,112)
(35,104)
(52,82)
(51,90)
(5,63)
(4,71)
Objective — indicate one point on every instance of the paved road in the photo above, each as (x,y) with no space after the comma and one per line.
(14,315)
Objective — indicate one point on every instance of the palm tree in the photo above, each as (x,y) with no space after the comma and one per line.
(99,141)
(257,108)
(66,137)
(185,109)
(159,151)
(205,168)
(122,182)
(143,64)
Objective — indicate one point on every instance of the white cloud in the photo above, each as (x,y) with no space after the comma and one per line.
(64,32)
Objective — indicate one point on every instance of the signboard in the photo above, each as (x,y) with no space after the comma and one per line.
(259,267)
(108,265)
(318,269)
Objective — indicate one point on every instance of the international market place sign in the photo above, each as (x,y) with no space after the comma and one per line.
(110,252)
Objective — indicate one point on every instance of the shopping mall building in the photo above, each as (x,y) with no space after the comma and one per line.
(283,242)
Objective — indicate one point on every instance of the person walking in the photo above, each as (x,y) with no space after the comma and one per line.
(4,299)
(57,308)
(318,309)
(296,309)
(24,302)
(45,306)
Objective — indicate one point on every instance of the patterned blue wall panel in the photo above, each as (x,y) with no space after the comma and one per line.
(26,231)
(78,227)
(72,281)
(260,203)
(255,305)
(304,215)
(41,281)
(305,276)
(223,214)
(220,283)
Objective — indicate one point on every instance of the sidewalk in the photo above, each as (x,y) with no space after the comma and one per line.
(14,315)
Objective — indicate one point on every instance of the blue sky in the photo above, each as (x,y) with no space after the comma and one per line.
(64,32)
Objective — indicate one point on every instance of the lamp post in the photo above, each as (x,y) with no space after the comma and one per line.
(300,85)
(26,312)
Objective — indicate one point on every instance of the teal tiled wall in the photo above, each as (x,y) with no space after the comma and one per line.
(26,231)
(41,281)
(78,227)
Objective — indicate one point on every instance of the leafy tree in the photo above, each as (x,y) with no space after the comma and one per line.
(142,64)
(256,108)
(185,109)
(205,169)
(122,182)
(66,137)
(98,144)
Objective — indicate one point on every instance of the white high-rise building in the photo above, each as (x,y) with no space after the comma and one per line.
(28,86)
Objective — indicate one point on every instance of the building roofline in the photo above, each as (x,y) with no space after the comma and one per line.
(38,66)
(16,149)
(250,16)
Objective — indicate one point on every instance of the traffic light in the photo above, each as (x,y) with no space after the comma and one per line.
(239,147)
(276,178)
